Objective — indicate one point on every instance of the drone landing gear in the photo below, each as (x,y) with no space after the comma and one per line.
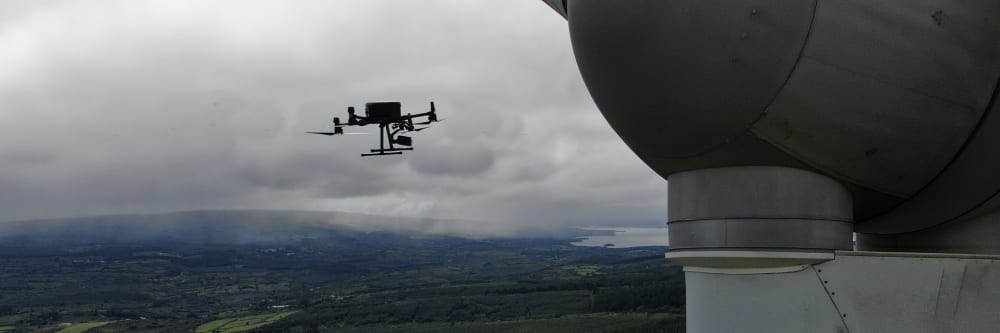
(390,151)
(393,141)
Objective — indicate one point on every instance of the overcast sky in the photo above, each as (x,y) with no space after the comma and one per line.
(111,107)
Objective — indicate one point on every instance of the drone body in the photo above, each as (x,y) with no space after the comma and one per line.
(391,122)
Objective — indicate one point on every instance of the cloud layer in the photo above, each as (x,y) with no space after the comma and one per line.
(149,106)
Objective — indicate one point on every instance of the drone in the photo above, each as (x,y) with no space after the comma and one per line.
(391,122)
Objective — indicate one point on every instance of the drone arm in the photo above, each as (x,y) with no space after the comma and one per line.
(352,118)
(393,132)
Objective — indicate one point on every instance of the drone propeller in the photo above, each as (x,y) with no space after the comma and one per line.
(325,133)
(429,122)
(335,133)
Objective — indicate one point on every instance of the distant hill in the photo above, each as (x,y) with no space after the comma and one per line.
(225,227)
(228,227)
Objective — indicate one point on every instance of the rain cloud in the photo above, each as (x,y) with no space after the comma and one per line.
(121,107)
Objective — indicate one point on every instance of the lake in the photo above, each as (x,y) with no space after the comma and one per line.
(625,237)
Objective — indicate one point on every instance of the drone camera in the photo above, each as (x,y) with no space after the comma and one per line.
(403,140)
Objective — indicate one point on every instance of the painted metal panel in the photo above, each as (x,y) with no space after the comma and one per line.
(965,191)
(887,92)
(758,207)
(760,234)
(774,303)
(856,292)
(558,5)
(891,97)
(977,235)
(758,192)
(678,78)
(914,294)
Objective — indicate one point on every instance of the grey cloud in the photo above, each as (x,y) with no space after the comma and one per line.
(143,106)
(462,160)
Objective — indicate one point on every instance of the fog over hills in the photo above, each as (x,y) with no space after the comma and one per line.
(245,226)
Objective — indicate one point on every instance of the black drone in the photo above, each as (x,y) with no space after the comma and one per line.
(390,123)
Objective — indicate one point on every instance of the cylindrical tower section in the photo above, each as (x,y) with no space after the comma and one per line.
(775,214)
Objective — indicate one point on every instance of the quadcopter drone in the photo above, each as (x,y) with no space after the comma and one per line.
(391,122)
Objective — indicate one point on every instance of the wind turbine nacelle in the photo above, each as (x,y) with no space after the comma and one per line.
(894,100)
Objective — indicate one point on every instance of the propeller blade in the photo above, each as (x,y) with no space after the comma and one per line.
(325,133)
(429,122)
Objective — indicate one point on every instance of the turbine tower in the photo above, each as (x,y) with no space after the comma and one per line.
(785,128)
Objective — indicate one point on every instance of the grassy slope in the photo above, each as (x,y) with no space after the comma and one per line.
(83,327)
(338,279)
(241,324)
(599,322)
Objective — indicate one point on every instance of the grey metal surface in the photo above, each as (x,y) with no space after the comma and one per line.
(889,97)
(557,5)
(856,293)
(772,303)
(758,207)
(757,192)
(678,78)
(749,149)
(884,95)
(760,233)
(961,192)
(747,261)
(980,235)
(915,294)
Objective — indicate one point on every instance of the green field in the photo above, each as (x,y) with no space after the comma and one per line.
(83,327)
(339,280)
(584,270)
(240,324)
(598,322)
